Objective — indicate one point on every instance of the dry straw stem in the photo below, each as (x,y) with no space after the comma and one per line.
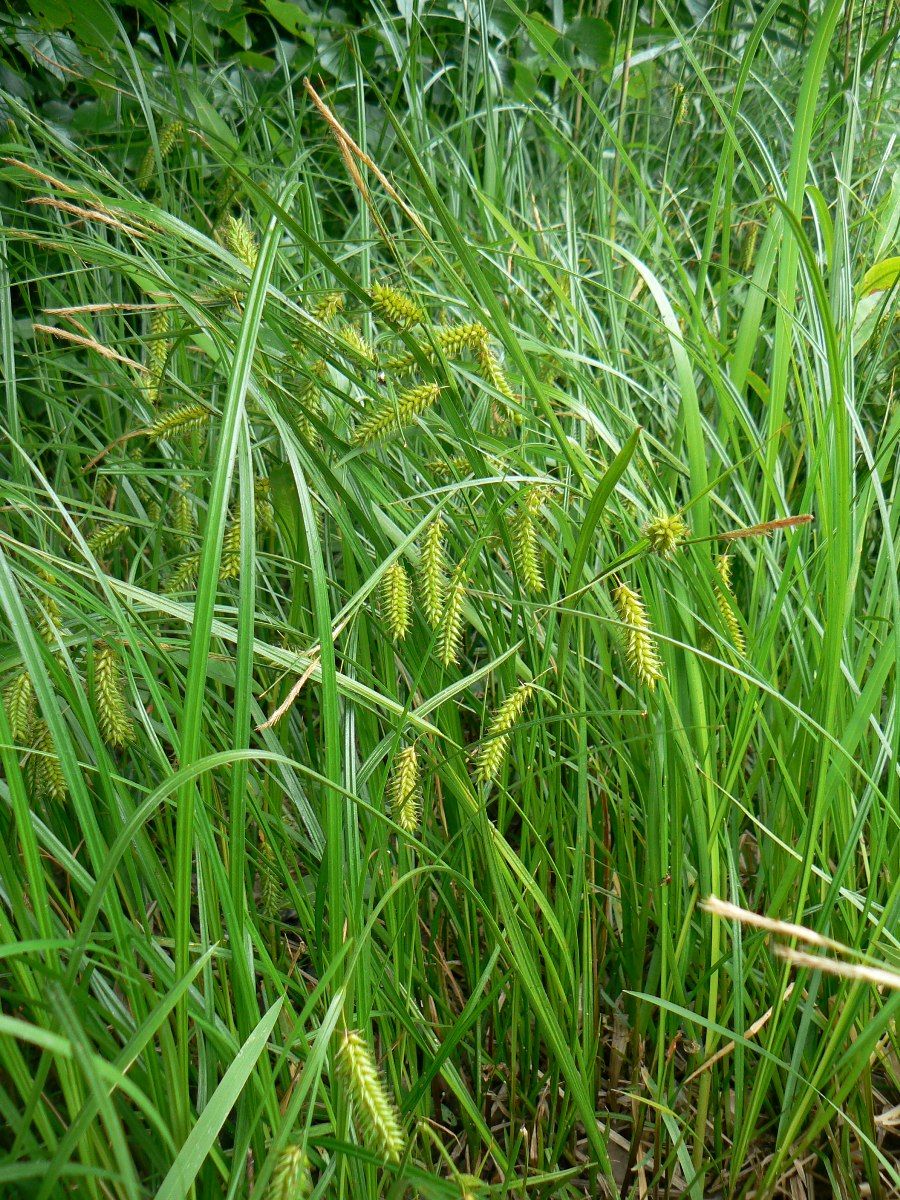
(766,527)
(733,912)
(90,344)
(86,214)
(348,148)
(877,976)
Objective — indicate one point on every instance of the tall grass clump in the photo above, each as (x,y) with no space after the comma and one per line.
(449,601)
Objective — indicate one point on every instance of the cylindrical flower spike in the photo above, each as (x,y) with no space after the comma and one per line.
(665,534)
(392,415)
(396,307)
(291,1179)
(374,1110)
(449,640)
(639,646)
(395,601)
(110,701)
(403,790)
(496,743)
(432,569)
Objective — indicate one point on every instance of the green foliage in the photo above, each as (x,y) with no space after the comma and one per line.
(266,743)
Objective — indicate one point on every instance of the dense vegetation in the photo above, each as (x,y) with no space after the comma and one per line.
(449,538)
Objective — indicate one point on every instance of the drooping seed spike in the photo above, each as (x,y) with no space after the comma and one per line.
(493,751)
(180,421)
(432,572)
(374,1110)
(728,605)
(328,306)
(452,340)
(392,415)
(110,700)
(450,633)
(395,602)
(159,347)
(230,565)
(271,892)
(526,550)
(18,699)
(168,137)
(665,534)
(291,1178)
(241,241)
(105,538)
(492,372)
(182,514)
(640,649)
(396,307)
(358,346)
(402,791)
(42,770)
(185,575)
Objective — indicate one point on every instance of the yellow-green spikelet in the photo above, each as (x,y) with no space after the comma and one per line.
(169,135)
(42,769)
(185,574)
(432,571)
(449,641)
(492,372)
(291,1178)
(182,514)
(665,534)
(396,307)
(270,890)
(241,241)
(375,1112)
(358,346)
(110,701)
(640,649)
(105,538)
(18,699)
(526,550)
(159,346)
(230,566)
(492,753)
(390,416)
(180,421)
(451,340)
(395,601)
(328,307)
(402,791)
(727,604)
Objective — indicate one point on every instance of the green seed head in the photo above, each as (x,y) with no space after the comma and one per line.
(403,790)
(449,642)
(665,534)
(639,646)
(396,307)
(291,1179)
(110,701)
(432,570)
(395,602)
(18,699)
(374,1110)
(390,415)
(492,754)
